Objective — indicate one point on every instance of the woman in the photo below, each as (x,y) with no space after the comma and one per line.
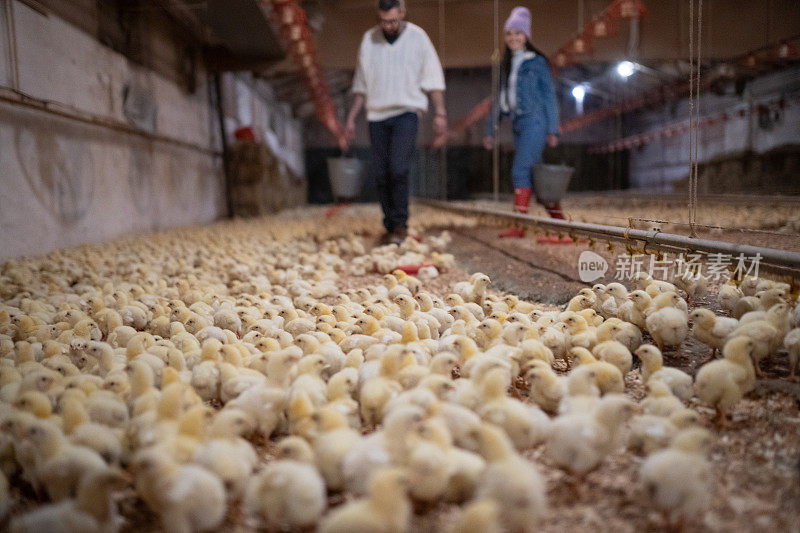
(526,94)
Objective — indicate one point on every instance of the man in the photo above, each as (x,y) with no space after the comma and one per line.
(397,65)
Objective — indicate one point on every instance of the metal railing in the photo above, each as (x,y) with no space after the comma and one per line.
(781,262)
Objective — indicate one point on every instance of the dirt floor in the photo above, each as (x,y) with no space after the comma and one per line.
(756,460)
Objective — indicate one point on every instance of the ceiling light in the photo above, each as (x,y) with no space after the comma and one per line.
(625,69)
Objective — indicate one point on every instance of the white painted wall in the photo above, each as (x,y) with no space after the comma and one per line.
(249,102)
(62,183)
(658,164)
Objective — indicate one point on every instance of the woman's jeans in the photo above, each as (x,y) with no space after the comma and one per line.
(530,138)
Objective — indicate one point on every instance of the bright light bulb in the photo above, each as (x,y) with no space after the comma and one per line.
(625,69)
(578,92)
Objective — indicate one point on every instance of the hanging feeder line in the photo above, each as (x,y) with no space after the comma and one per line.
(602,24)
(682,127)
(786,50)
(781,262)
(293,26)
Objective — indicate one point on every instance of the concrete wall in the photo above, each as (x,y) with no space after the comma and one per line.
(64,183)
(660,163)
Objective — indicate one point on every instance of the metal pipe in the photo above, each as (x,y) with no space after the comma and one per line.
(626,195)
(14,97)
(783,261)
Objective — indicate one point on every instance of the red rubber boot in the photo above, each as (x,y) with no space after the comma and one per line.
(554,210)
(522,197)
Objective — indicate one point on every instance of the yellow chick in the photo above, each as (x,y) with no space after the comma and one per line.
(610,329)
(185,497)
(635,309)
(710,329)
(516,305)
(341,388)
(668,326)
(546,387)
(693,284)
(729,296)
(616,353)
(490,331)
(591,317)
(380,449)
(60,465)
(649,433)
(309,379)
(580,333)
(722,383)
(577,442)
(660,401)
(608,377)
(766,331)
(679,382)
(678,479)
(288,493)
(38,404)
(227,455)
(107,442)
(333,439)
(525,425)
(386,508)
(480,516)
(473,290)
(93,509)
(429,469)
(582,392)
(510,481)
(377,391)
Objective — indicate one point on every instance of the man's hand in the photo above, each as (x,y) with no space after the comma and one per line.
(440,125)
(552,141)
(488,142)
(349,135)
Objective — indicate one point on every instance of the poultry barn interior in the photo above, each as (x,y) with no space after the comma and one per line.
(212,318)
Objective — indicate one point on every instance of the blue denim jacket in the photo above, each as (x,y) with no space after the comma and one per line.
(535,95)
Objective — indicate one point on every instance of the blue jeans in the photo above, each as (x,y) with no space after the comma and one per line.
(392,146)
(530,137)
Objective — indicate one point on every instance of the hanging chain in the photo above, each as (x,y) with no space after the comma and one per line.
(694,93)
(697,115)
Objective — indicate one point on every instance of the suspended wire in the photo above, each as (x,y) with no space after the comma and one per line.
(691,103)
(443,153)
(694,108)
(495,82)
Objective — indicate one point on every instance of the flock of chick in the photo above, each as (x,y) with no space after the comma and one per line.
(158,362)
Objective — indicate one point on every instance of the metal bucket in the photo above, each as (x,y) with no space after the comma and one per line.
(346,175)
(550,182)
